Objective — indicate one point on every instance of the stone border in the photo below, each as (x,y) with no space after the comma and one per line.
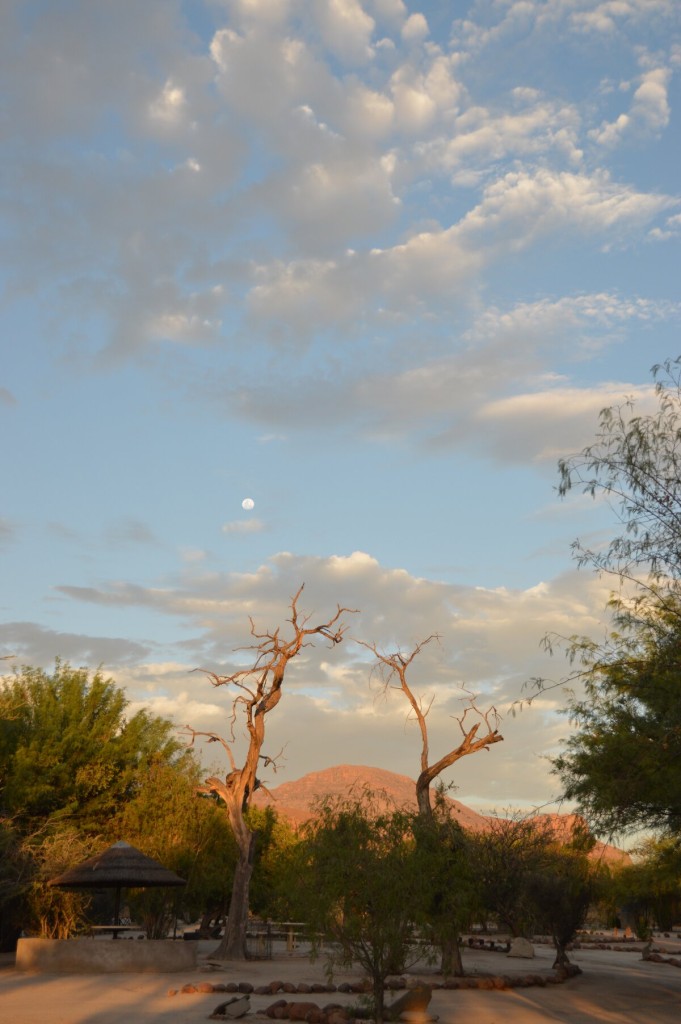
(488,982)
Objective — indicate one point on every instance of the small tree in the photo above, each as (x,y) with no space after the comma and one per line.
(445,858)
(258,692)
(562,889)
(358,885)
(506,857)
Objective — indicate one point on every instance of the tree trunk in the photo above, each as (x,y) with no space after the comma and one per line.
(423,796)
(233,944)
(379,999)
(562,958)
(451,964)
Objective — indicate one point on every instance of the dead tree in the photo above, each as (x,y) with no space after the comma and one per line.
(257,692)
(392,669)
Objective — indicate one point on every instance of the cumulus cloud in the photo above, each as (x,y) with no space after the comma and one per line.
(332,712)
(648,115)
(346,29)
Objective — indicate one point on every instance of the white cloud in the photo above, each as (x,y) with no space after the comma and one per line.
(170,105)
(415,28)
(648,114)
(346,29)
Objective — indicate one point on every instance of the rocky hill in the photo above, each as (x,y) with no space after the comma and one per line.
(296,801)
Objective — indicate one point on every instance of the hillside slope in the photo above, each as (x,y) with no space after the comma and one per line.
(295,801)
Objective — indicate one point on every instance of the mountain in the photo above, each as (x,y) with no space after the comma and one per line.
(295,801)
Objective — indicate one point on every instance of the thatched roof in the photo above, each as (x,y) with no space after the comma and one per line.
(120,866)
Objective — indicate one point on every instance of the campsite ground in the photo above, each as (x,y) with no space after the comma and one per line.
(615,988)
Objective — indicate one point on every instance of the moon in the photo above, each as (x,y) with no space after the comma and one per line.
(248,504)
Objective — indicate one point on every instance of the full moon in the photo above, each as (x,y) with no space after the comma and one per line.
(248,504)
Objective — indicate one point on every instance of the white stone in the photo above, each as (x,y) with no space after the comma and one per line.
(521,947)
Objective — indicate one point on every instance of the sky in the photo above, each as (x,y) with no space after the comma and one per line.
(374,264)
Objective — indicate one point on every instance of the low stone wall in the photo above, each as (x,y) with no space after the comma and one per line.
(100,956)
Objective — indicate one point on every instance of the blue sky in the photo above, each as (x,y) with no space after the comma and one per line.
(376,265)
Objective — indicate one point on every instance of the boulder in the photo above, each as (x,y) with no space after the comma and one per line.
(522,948)
(233,1008)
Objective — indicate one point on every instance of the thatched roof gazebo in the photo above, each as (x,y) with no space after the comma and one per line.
(122,866)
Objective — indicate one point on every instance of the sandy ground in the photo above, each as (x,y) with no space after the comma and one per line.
(615,988)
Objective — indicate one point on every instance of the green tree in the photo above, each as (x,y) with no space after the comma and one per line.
(623,764)
(16,873)
(70,759)
(506,857)
(190,836)
(275,838)
(562,890)
(444,857)
(67,750)
(648,891)
(357,883)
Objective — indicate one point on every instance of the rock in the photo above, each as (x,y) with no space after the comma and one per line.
(338,1017)
(280,1003)
(245,986)
(188,989)
(301,1011)
(205,986)
(275,986)
(303,988)
(416,1000)
(417,1017)
(522,948)
(233,1008)
(171,992)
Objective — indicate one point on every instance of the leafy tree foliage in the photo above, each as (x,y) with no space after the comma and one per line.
(359,886)
(75,769)
(623,764)
(190,836)
(534,876)
(67,749)
(506,858)
(275,838)
(561,891)
(445,856)
(648,891)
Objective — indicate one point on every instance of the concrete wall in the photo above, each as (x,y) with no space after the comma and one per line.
(101,956)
